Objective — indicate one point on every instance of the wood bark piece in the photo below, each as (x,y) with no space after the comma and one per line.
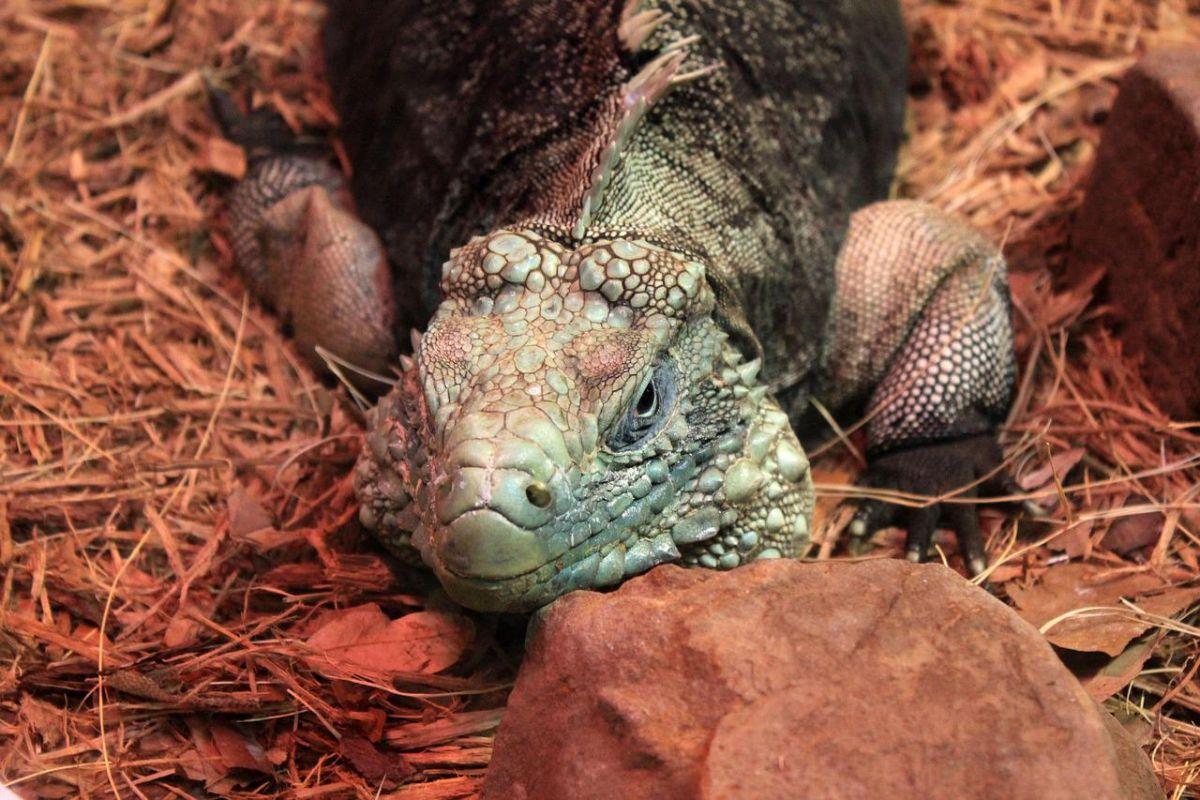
(784,680)
(1140,221)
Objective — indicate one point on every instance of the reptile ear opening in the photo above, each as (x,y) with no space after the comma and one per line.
(730,317)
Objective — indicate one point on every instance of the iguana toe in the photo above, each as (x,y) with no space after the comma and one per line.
(932,471)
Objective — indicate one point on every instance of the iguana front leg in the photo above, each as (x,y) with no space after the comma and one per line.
(308,256)
(922,315)
(301,247)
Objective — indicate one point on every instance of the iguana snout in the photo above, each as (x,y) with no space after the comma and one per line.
(497,493)
(573,416)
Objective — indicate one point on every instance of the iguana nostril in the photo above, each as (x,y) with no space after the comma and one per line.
(538,493)
(516,495)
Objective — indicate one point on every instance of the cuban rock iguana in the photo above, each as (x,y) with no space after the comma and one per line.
(653,269)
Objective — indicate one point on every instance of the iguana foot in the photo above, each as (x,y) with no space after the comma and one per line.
(933,471)
(261,131)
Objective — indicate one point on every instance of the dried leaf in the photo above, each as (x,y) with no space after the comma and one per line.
(246,513)
(204,762)
(238,751)
(1076,586)
(1133,532)
(364,639)
(1118,672)
(1059,463)
(181,631)
(45,718)
(201,765)
(220,749)
(1077,542)
(222,156)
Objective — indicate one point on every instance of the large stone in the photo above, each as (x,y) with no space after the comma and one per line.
(788,680)
(1140,221)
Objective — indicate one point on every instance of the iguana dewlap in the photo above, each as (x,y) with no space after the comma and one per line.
(653,270)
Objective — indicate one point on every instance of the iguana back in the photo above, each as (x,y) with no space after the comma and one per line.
(462,118)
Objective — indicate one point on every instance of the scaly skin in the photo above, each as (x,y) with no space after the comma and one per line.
(660,270)
(500,457)
(292,221)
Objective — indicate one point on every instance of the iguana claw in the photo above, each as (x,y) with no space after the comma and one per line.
(933,471)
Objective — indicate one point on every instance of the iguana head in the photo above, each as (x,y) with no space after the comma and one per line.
(576,416)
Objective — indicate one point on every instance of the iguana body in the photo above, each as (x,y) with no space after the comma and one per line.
(652,268)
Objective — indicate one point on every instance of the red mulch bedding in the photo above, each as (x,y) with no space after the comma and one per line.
(189,608)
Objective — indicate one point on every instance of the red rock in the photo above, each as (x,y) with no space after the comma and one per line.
(785,680)
(1140,221)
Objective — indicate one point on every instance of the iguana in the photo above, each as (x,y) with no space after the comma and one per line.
(663,242)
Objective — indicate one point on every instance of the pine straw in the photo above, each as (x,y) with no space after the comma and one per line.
(150,625)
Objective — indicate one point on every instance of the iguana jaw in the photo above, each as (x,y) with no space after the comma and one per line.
(606,525)
(601,559)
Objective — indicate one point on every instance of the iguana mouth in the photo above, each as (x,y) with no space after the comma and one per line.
(484,544)
(489,564)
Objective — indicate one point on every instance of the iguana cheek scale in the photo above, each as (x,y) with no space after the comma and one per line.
(653,268)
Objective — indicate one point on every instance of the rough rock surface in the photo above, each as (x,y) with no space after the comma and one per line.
(785,680)
(1140,221)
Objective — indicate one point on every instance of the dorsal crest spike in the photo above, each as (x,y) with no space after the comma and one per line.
(636,95)
(637,24)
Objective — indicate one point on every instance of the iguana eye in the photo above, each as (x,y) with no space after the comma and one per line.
(647,404)
(649,411)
